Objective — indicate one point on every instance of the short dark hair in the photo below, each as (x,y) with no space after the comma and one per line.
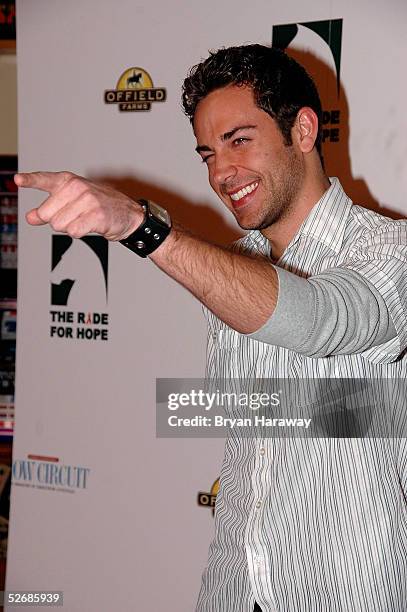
(281,86)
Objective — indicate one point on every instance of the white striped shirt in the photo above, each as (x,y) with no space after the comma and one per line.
(319,523)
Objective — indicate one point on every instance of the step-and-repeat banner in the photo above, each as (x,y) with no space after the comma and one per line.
(101,509)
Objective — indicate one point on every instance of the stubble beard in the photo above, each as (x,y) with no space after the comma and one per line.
(282,194)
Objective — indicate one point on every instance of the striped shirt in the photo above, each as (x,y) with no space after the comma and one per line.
(319,523)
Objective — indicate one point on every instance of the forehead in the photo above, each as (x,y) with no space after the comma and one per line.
(225,108)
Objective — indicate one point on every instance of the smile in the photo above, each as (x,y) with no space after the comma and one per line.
(244,191)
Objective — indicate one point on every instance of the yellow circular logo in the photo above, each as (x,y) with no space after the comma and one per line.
(134,78)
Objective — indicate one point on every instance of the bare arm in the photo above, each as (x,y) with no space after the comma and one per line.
(317,317)
(240,290)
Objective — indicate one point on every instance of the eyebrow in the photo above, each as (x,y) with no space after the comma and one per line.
(226,136)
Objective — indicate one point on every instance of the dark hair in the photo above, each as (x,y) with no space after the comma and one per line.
(280,85)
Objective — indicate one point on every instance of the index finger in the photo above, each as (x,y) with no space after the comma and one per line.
(44,181)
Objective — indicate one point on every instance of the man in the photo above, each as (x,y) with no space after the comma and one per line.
(316,289)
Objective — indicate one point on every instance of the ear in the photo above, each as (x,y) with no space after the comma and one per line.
(305,130)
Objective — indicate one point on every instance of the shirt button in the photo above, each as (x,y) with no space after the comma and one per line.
(258,505)
(262,451)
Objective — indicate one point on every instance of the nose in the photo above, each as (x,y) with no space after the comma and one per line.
(223,169)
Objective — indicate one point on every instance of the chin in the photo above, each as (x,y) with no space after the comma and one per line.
(248,226)
(259,223)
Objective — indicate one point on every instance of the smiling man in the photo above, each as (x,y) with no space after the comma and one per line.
(266,184)
(316,289)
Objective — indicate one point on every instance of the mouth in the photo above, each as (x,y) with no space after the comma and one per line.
(241,197)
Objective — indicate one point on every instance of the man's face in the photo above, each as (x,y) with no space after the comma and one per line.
(251,169)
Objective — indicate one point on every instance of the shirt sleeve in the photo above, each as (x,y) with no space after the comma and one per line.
(334,313)
(381,258)
(357,307)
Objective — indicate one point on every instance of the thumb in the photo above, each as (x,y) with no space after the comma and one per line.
(33,217)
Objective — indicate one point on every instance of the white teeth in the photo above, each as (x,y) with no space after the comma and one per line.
(244,191)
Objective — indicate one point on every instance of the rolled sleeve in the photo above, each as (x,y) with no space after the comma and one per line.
(294,314)
(384,264)
(358,306)
(337,312)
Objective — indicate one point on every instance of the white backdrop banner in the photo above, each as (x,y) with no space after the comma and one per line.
(101,509)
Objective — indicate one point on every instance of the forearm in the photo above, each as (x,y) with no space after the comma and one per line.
(318,316)
(333,313)
(240,290)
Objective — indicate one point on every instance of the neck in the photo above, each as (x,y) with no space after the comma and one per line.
(282,232)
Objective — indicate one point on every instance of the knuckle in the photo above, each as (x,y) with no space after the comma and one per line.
(92,201)
(88,194)
(73,186)
(57,225)
(66,175)
(76,233)
(75,230)
(43,215)
(74,182)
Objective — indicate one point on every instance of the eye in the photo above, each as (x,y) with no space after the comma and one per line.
(206,158)
(239,141)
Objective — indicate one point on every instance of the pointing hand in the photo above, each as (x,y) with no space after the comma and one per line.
(77,206)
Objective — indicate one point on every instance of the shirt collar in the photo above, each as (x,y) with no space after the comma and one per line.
(327,220)
(325,223)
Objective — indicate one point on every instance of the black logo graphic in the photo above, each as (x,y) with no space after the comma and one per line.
(67,274)
(329,30)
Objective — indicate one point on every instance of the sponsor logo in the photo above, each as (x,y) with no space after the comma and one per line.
(208,500)
(330,31)
(48,473)
(135,91)
(79,288)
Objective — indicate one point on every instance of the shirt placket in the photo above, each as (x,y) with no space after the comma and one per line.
(258,554)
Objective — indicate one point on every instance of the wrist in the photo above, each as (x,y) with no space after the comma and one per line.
(164,252)
(148,235)
(136,218)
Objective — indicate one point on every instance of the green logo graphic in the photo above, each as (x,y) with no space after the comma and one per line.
(329,30)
